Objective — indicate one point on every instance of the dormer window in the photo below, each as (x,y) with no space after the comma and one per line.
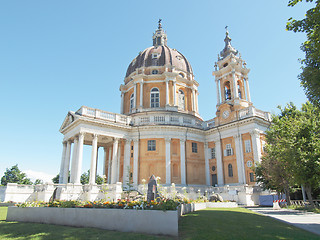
(155,55)
(181,75)
(154,71)
(226,64)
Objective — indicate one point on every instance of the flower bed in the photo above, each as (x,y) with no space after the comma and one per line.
(165,204)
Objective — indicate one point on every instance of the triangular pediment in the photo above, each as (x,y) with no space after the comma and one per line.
(67,121)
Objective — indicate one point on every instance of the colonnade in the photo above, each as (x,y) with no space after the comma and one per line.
(113,151)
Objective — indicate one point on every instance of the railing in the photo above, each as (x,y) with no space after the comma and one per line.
(252,111)
(303,203)
(165,119)
(108,116)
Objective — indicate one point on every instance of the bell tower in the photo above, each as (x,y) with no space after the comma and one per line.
(231,76)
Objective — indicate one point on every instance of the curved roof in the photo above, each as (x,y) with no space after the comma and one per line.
(160,56)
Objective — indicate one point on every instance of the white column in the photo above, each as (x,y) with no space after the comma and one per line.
(126,163)
(114,161)
(104,161)
(218,92)
(135,95)
(141,94)
(183,161)
(64,149)
(135,161)
(167,92)
(206,158)
(67,163)
(247,90)
(256,144)
(109,165)
(118,163)
(239,158)
(193,100)
(122,100)
(219,162)
(74,160)
(92,178)
(168,160)
(234,84)
(175,93)
(79,158)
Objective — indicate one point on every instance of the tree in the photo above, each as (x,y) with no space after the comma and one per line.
(56,178)
(310,76)
(38,181)
(84,179)
(14,175)
(293,150)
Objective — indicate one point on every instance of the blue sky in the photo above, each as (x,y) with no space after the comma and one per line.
(56,56)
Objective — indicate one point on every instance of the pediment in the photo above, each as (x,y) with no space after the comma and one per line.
(67,121)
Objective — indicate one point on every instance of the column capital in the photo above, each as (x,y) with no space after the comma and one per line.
(182,140)
(136,140)
(205,144)
(95,135)
(81,134)
(115,139)
(167,139)
(64,142)
(237,136)
(127,140)
(255,133)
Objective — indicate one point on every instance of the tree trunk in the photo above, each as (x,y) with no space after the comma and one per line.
(287,192)
(308,191)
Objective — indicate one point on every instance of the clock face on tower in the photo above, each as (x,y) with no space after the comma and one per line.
(225,114)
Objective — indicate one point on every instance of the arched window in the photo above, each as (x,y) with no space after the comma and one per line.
(131,101)
(239,91)
(230,171)
(155,98)
(227,92)
(181,102)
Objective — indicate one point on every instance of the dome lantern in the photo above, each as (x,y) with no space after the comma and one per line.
(159,37)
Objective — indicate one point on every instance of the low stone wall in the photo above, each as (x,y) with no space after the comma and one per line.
(124,220)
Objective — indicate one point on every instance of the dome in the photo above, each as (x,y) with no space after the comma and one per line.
(160,55)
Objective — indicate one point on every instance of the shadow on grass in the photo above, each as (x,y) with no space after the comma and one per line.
(19,230)
(236,224)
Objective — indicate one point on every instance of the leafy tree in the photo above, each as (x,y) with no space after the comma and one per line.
(38,181)
(14,175)
(310,76)
(56,178)
(84,179)
(293,150)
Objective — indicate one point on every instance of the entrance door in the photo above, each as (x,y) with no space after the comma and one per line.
(214,179)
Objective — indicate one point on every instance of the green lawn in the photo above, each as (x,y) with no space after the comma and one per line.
(236,223)
(221,223)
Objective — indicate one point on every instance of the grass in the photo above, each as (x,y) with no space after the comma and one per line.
(236,223)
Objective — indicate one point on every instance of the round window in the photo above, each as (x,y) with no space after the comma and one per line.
(213,168)
(249,164)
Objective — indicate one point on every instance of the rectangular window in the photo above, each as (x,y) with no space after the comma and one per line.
(228,151)
(131,154)
(213,153)
(151,145)
(131,147)
(251,177)
(247,144)
(194,147)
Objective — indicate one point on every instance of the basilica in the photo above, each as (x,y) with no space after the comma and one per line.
(159,130)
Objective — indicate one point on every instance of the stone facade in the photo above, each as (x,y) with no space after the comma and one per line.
(160,132)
